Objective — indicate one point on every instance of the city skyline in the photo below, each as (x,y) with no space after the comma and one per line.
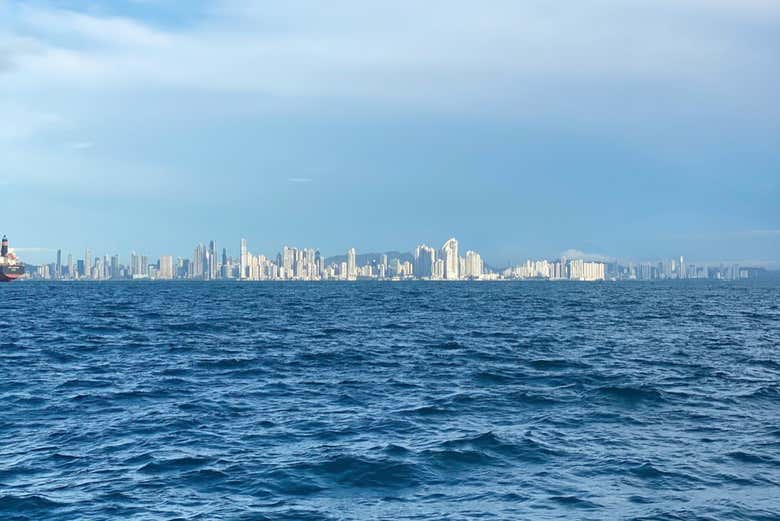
(210,262)
(34,256)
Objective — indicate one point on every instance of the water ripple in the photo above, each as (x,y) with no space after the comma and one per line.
(390,401)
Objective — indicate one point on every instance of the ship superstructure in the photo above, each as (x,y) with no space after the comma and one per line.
(11,268)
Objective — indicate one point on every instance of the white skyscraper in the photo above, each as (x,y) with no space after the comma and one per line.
(449,254)
(243,261)
(351,263)
(473,265)
(87,264)
(424,260)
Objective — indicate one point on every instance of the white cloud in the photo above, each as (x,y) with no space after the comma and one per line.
(300,180)
(460,55)
(593,61)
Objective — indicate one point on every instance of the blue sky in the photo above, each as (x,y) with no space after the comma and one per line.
(634,129)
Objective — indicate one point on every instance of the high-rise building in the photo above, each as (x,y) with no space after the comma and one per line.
(166,267)
(115,267)
(213,261)
(351,263)
(473,265)
(87,264)
(319,263)
(424,261)
(243,267)
(449,254)
(287,264)
(58,267)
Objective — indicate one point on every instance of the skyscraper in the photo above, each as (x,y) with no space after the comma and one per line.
(87,264)
(58,268)
(243,265)
(166,267)
(115,267)
(424,260)
(213,261)
(473,265)
(351,263)
(449,254)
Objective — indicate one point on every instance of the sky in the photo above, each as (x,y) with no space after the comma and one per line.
(631,129)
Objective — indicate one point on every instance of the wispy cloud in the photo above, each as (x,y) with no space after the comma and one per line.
(508,54)
(300,180)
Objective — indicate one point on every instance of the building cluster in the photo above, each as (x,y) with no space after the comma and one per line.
(208,263)
(426,263)
(672,269)
(563,269)
(678,269)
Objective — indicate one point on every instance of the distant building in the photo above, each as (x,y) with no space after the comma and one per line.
(449,255)
(424,261)
(166,268)
(351,263)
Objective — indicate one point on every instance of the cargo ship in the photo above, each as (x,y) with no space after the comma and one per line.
(10,267)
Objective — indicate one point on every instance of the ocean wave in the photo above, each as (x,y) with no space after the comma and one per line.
(632,395)
(237,401)
(174,465)
(26,504)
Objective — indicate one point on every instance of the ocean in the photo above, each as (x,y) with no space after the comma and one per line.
(397,401)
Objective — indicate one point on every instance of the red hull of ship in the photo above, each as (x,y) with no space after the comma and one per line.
(8,277)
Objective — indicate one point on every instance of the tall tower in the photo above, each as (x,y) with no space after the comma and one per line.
(58,268)
(243,260)
(87,263)
(351,263)
(449,254)
(213,260)
(425,260)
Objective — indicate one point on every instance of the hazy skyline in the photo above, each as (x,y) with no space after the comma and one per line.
(635,131)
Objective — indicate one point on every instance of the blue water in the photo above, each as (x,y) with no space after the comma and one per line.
(422,401)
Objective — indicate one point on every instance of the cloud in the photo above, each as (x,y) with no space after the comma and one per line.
(586,57)
(300,180)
